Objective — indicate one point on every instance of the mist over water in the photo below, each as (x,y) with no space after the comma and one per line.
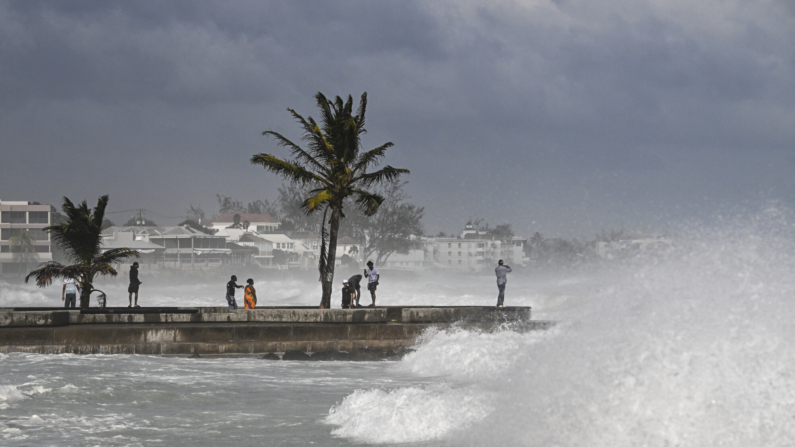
(691,348)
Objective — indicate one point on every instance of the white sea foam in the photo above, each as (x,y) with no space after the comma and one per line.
(407,414)
(692,349)
(469,355)
(14,393)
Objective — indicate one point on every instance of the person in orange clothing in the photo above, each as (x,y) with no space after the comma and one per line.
(250,294)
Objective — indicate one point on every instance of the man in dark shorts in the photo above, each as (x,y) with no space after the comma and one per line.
(347,295)
(134,283)
(353,282)
(230,293)
(372,279)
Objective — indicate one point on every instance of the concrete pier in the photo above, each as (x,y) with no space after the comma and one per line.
(268,332)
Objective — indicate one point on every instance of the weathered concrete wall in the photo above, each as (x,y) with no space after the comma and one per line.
(11,317)
(222,339)
(209,332)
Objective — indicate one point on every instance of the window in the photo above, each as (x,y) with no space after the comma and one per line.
(170,242)
(39,217)
(14,217)
(449,245)
(37,234)
(459,254)
(449,253)
(459,245)
(17,249)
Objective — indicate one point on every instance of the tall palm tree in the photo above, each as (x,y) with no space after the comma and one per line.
(334,167)
(80,239)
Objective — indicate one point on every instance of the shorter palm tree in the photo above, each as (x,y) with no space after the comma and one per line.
(23,248)
(80,238)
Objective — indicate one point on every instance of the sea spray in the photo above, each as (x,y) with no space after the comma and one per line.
(690,348)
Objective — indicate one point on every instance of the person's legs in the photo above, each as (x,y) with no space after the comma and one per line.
(371,287)
(136,299)
(70,301)
(130,299)
(501,296)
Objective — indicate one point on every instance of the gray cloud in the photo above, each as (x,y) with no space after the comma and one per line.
(569,114)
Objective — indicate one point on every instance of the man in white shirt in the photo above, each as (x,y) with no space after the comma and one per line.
(69,292)
(372,279)
(502,279)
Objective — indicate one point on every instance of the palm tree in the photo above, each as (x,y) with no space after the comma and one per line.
(334,167)
(23,248)
(538,239)
(80,239)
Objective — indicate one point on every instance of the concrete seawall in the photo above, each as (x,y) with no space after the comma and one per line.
(272,332)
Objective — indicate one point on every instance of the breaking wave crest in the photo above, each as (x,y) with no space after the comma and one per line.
(689,349)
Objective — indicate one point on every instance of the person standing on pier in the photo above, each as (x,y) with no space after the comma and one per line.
(134,283)
(69,292)
(230,293)
(372,279)
(250,294)
(502,279)
(353,282)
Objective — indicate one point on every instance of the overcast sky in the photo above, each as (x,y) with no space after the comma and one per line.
(559,116)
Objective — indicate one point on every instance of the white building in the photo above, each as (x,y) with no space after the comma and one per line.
(260,223)
(15,218)
(179,247)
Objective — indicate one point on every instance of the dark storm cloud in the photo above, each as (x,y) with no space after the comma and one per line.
(534,111)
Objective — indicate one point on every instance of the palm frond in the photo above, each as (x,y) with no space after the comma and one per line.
(360,113)
(46,273)
(368,202)
(288,170)
(297,151)
(385,175)
(103,269)
(371,157)
(312,203)
(116,255)
(99,211)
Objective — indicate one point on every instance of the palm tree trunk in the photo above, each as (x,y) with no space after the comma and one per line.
(85,295)
(328,278)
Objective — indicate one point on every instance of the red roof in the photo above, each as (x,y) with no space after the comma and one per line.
(345,240)
(251,218)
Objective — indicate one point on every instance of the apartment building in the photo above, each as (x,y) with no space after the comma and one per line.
(16,217)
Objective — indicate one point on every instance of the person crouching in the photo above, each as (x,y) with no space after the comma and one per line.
(347,295)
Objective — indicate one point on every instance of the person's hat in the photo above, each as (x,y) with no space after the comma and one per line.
(345,282)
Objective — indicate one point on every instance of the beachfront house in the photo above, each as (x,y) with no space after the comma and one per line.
(259,223)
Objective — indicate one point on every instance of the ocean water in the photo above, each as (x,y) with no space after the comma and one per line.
(693,348)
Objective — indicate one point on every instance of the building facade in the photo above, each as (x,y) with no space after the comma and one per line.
(23,242)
